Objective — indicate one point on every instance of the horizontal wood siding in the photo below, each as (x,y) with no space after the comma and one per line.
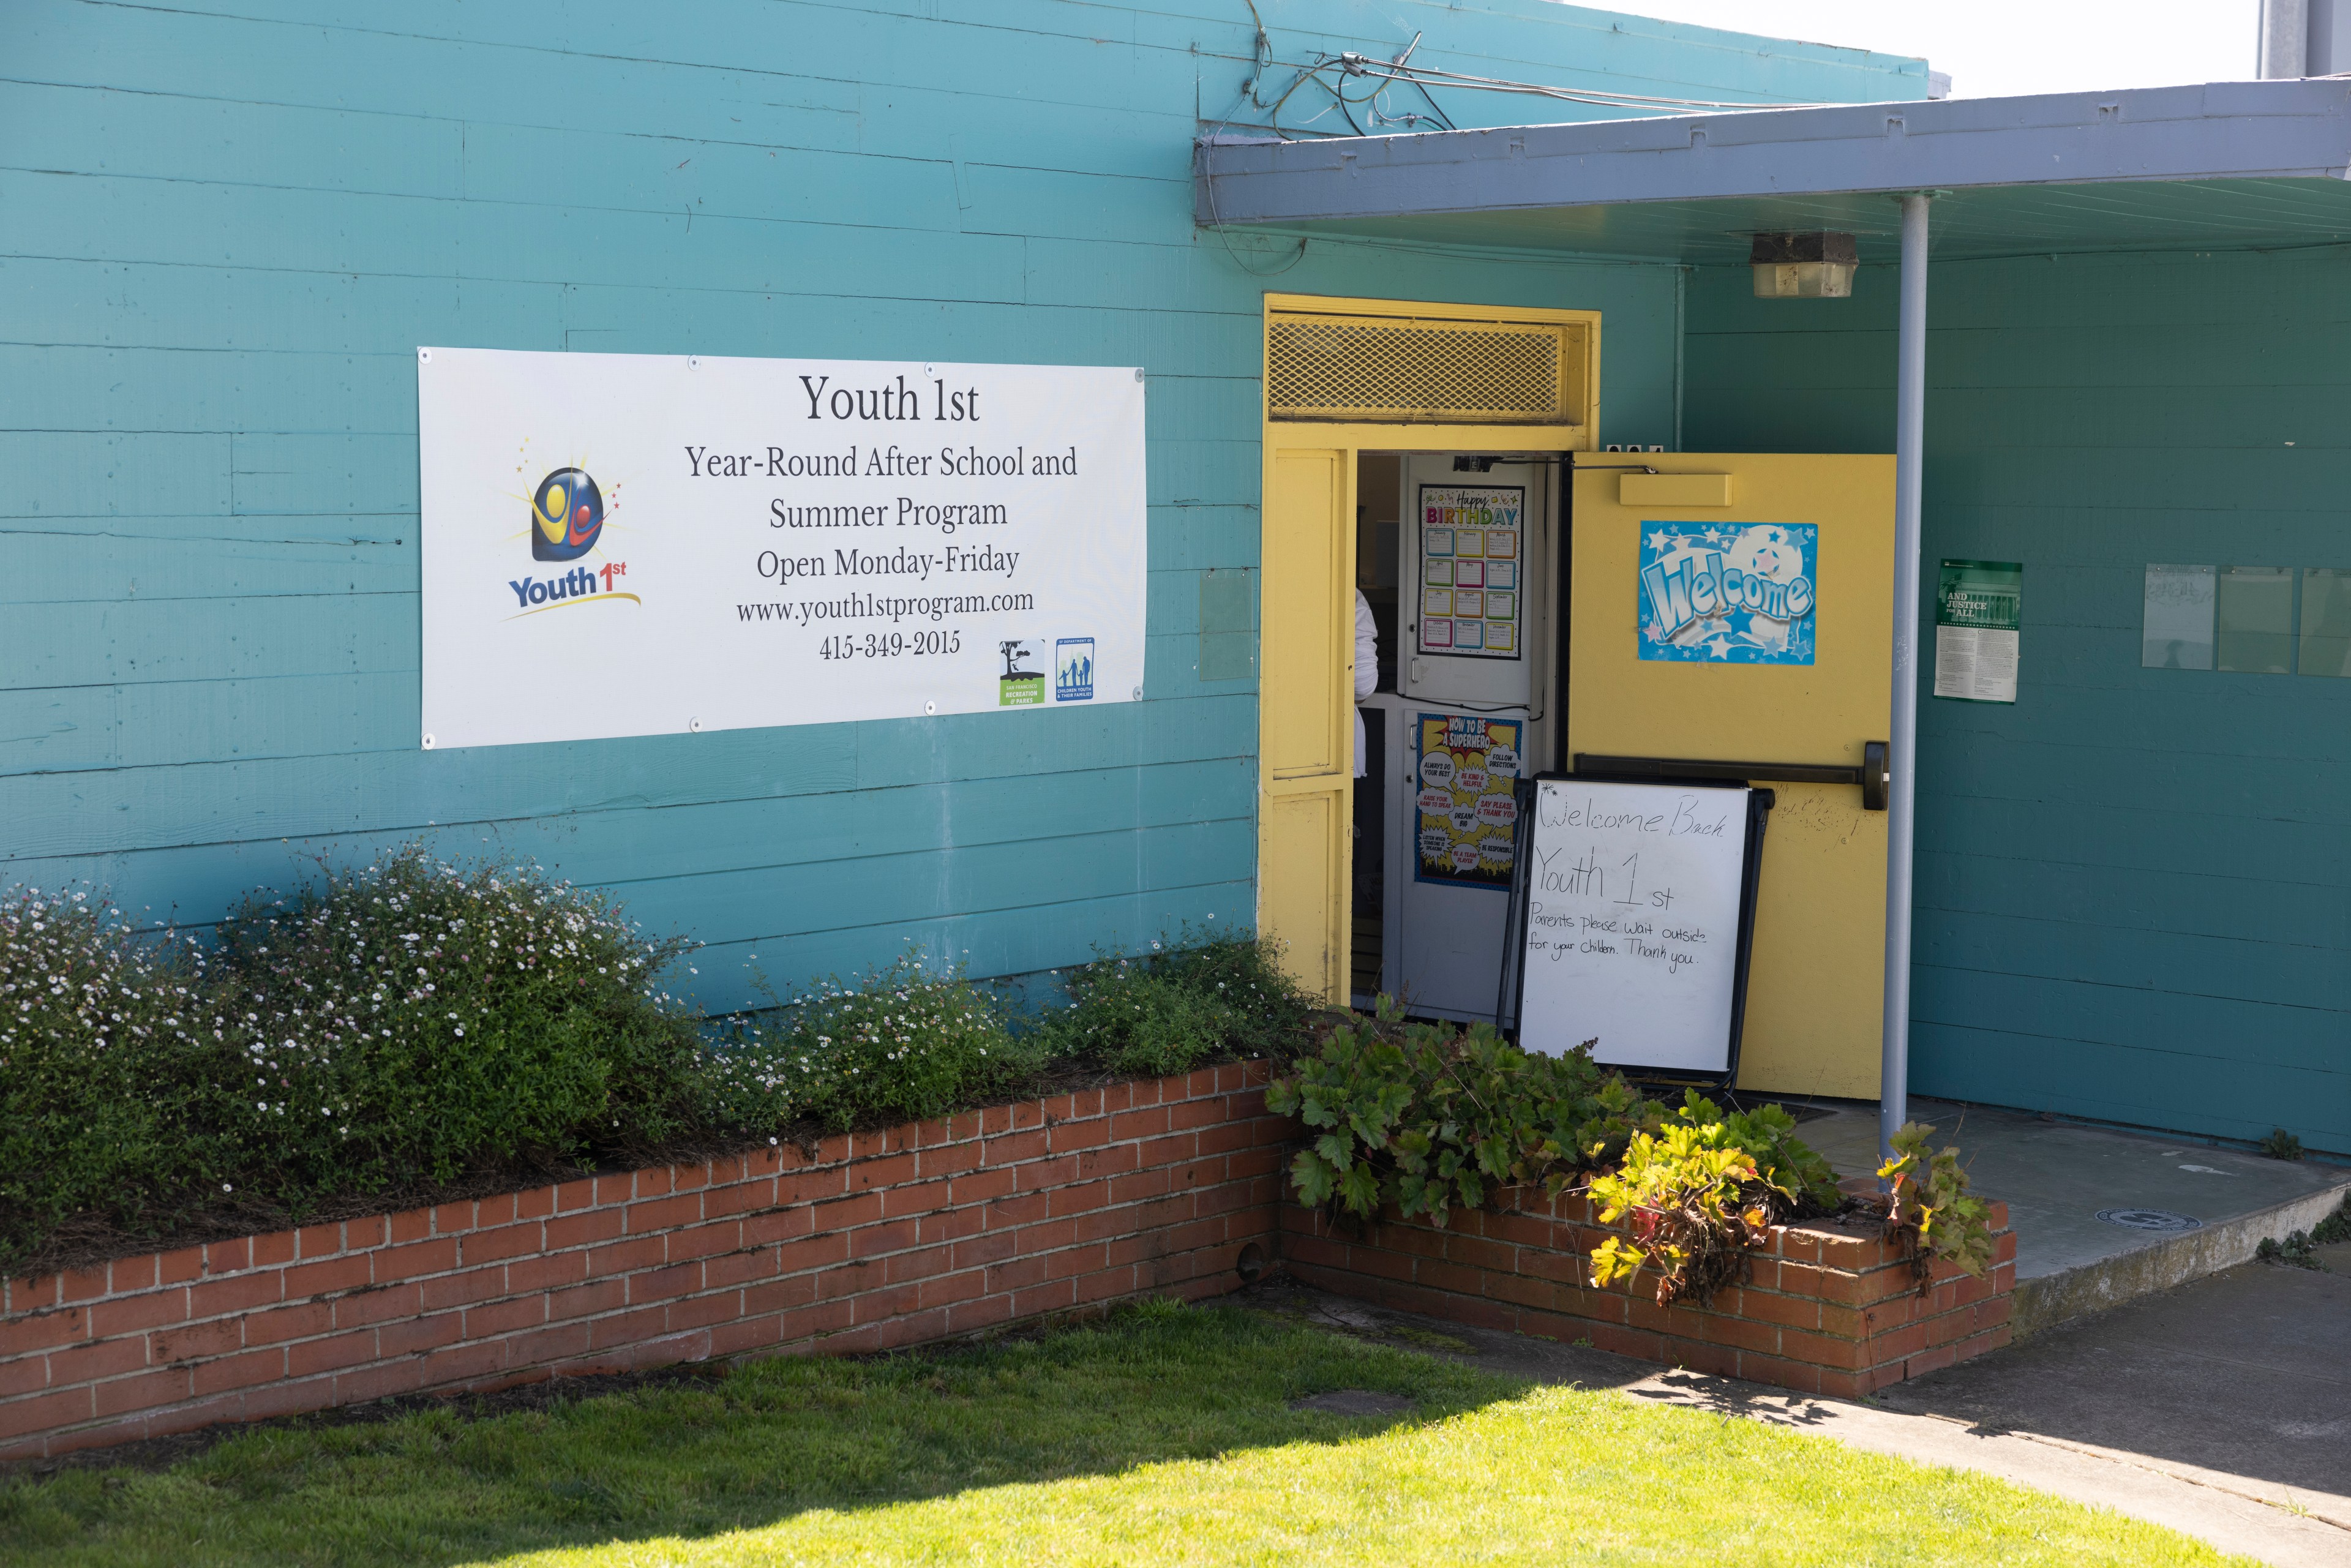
(229,232)
(2131,885)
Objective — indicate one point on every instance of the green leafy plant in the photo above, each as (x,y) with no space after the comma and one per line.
(1427,1120)
(2298,1250)
(2281,1144)
(1928,1205)
(2336,1226)
(1796,1182)
(1195,999)
(1699,1191)
(1426,1117)
(1691,1200)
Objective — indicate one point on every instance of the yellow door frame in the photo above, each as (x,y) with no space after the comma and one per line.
(1307,663)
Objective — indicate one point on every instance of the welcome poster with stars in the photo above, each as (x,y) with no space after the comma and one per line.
(1727,593)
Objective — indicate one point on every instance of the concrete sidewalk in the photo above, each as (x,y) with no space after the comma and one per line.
(2102,1215)
(2238,1382)
(2222,1410)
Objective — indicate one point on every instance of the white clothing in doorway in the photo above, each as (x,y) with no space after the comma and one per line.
(1368,667)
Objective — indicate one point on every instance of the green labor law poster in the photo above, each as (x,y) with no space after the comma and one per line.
(1979,607)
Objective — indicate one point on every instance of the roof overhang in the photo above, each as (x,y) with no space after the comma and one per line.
(2220,166)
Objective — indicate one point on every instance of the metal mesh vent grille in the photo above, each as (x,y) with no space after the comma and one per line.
(1372,368)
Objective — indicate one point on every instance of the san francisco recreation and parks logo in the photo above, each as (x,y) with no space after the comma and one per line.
(1017,687)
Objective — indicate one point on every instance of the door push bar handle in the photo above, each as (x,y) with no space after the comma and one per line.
(1874,775)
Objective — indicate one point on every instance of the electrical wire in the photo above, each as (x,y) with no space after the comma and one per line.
(1380,76)
(1400,71)
(1576,95)
(1260,57)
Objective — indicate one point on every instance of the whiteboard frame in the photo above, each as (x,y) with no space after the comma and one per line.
(1760,802)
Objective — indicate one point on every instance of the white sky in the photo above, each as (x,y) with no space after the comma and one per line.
(1994,48)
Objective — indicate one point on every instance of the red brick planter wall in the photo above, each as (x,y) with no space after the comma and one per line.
(893,1239)
(883,1239)
(1827,1310)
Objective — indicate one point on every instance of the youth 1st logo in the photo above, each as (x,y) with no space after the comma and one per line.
(566,518)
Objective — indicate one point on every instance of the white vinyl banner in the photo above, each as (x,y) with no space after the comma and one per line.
(626,544)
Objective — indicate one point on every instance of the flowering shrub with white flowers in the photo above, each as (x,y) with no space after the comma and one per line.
(911,1041)
(411,1020)
(1207,995)
(396,1026)
(105,1047)
(410,1024)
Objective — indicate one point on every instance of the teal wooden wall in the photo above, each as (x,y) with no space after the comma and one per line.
(2132,897)
(227,230)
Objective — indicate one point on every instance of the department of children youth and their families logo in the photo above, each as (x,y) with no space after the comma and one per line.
(1727,593)
(567,513)
(1073,670)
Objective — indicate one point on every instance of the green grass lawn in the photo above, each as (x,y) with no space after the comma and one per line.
(1163,1436)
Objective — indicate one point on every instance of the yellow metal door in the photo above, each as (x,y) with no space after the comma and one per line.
(1816,987)
(1306,712)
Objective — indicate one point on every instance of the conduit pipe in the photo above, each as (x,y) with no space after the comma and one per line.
(1909,454)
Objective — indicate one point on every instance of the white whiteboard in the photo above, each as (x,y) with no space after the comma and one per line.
(1633,895)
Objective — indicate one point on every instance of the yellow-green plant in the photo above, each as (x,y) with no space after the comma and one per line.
(1426,1118)
(1697,1188)
(1694,1202)
(1795,1180)
(1928,1207)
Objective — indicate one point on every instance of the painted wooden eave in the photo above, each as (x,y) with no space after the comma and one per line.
(1749,160)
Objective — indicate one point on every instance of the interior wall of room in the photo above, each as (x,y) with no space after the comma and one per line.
(2131,884)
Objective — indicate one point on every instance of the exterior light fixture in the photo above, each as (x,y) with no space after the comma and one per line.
(1815,265)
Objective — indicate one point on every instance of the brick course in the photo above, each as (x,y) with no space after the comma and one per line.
(882,1239)
(1826,1310)
(889,1239)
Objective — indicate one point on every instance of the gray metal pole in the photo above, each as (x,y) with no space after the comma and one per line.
(1909,454)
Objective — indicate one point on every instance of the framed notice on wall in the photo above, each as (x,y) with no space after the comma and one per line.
(622,544)
(1979,610)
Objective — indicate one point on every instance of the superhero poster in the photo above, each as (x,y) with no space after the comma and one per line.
(1467,808)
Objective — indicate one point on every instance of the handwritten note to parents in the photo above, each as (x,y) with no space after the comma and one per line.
(1632,930)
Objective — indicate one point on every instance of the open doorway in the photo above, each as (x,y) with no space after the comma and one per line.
(1455,562)
(1344,379)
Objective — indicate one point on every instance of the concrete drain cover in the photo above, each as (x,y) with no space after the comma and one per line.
(1354,1402)
(2151,1220)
